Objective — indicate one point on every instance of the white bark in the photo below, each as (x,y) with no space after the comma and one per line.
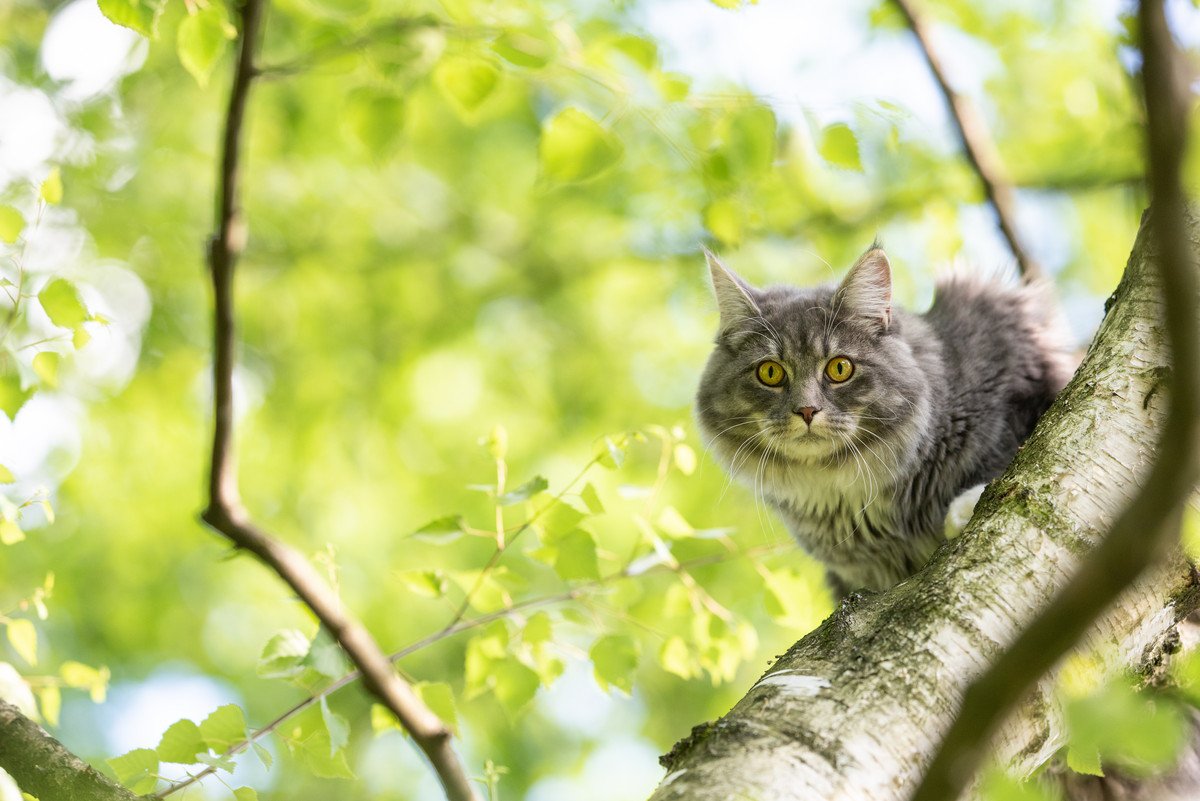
(854,709)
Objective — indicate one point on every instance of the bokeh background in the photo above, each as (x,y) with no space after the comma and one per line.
(423,267)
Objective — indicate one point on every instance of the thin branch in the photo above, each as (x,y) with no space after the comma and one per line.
(225,512)
(382,31)
(41,767)
(576,592)
(977,143)
(1150,524)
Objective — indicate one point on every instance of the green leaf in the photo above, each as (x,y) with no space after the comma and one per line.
(796,600)
(439,697)
(466,81)
(574,147)
(610,453)
(998,786)
(51,190)
(538,629)
(1125,727)
(524,492)
(374,118)
(50,702)
(264,756)
(750,144)
(81,337)
(245,794)
(6,475)
(496,443)
(45,365)
(83,677)
(10,532)
(523,49)
(336,725)
(317,755)
(591,499)
(839,146)
(685,458)
(325,655)
(614,661)
(22,634)
(62,305)
(637,49)
(283,654)
(558,519)
(201,39)
(138,15)
(382,720)
(426,583)
(576,558)
(676,658)
(181,742)
(137,770)
(12,397)
(1084,760)
(725,218)
(441,531)
(12,223)
(226,726)
(515,684)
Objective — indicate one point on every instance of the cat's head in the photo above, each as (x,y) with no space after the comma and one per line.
(816,377)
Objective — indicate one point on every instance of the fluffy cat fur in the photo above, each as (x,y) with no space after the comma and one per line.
(863,471)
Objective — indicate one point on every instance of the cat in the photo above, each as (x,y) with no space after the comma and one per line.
(861,423)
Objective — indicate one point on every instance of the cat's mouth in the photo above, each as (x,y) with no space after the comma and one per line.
(807,444)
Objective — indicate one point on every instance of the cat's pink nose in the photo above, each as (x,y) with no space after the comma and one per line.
(808,413)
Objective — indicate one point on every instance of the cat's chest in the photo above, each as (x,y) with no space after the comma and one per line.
(837,496)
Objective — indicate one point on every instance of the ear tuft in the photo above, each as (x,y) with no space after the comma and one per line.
(866,291)
(735,298)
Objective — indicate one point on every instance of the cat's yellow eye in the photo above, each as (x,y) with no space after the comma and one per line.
(839,369)
(771,373)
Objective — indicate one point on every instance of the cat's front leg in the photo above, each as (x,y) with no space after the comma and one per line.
(961,509)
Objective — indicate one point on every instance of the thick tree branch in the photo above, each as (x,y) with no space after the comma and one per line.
(977,143)
(43,768)
(225,512)
(1149,525)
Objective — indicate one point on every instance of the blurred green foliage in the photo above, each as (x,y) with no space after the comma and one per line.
(464,217)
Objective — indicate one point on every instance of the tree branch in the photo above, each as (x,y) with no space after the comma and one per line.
(1149,525)
(225,512)
(977,143)
(43,768)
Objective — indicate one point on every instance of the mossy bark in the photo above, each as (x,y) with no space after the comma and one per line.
(43,768)
(854,710)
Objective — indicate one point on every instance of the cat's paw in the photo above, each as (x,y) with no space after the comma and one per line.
(961,509)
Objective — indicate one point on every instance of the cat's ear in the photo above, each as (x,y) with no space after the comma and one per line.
(735,298)
(866,291)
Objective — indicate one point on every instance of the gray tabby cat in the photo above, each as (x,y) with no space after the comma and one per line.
(861,423)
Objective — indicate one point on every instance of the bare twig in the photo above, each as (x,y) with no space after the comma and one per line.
(1149,525)
(977,143)
(225,512)
(389,29)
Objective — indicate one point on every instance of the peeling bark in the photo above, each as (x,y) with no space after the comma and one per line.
(42,767)
(855,709)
